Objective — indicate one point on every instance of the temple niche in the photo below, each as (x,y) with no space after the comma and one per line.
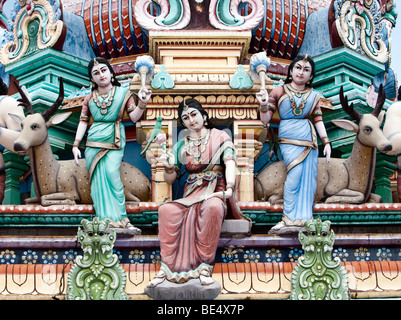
(204,50)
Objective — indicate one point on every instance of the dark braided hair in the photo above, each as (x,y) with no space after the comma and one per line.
(193,103)
(100,60)
(298,58)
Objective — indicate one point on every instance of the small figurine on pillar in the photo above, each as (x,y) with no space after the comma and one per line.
(296,102)
(190,227)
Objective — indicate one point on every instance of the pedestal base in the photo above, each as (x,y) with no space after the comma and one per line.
(124,233)
(190,290)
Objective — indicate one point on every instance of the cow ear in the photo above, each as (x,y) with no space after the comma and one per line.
(17,118)
(346,125)
(381,116)
(58,118)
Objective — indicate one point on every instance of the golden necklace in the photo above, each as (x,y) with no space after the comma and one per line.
(103,100)
(196,146)
(290,91)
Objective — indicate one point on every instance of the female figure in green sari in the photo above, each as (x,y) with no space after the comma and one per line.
(106,139)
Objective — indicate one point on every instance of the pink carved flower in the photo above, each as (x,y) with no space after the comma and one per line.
(161,138)
(359,6)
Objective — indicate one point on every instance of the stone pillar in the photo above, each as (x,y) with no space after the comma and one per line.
(247,134)
(384,169)
(15,167)
(161,191)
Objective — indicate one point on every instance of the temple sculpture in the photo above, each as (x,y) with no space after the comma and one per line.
(199,150)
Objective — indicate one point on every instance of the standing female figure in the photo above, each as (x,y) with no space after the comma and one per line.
(296,102)
(189,228)
(106,139)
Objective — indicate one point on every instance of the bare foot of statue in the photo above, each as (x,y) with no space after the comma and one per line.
(205,278)
(159,278)
(127,225)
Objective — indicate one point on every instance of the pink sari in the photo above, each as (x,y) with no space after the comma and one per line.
(189,228)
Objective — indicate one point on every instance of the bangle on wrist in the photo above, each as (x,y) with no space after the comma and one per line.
(76,143)
(325,140)
(263,108)
(230,185)
(141,105)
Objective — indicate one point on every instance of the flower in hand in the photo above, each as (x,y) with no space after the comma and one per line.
(161,139)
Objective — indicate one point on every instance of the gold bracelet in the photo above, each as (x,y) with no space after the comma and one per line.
(263,108)
(141,105)
(325,140)
(230,185)
(76,143)
(84,118)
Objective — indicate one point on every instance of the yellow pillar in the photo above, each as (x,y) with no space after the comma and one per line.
(247,134)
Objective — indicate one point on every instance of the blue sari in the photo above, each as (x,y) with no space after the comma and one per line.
(298,146)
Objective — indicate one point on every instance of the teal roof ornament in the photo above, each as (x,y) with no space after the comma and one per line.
(240,79)
(162,79)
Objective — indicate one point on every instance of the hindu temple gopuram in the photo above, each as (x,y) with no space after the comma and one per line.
(199,149)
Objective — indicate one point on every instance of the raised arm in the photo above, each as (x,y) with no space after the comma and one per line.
(136,112)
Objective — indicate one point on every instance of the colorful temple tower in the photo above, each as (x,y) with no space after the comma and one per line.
(201,49)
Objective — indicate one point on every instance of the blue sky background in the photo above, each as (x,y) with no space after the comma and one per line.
(396,49)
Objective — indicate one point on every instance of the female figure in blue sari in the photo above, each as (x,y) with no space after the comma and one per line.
(296,102)
(105,143)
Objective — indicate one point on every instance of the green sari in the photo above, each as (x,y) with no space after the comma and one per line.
(104,153)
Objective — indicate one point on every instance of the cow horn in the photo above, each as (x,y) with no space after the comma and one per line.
(381,98)
(47,113)
(24,100)
(349,108)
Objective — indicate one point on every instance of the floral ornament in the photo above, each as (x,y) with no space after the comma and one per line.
(174,14)
(155,256)
(224,14)
(161,139)
(341,253)
(384,254)
(118,254)
(273,255)
(136,256)
(295,254)
(362,254)
(28,4)
(251,256)
(230,256)
(7,257)
(69,256)
(36,27)
(50,257)
(364,26)
(29,257)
